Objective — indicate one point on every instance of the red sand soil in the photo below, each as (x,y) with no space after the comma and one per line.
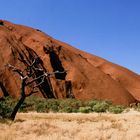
(88,76)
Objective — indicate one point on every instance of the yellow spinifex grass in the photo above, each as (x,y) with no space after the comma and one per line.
(74,126)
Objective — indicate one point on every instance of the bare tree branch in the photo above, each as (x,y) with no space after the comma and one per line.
(42,81)
(38,69)
(30,82)
(32,92)
(45,74)
(15,70)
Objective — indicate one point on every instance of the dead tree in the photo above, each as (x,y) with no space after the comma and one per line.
(28,80)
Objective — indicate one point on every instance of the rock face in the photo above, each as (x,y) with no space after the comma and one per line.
(87,76)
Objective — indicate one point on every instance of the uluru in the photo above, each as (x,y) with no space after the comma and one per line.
(82,75)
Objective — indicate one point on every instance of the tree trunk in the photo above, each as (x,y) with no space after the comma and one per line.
(20,102)
(13,115)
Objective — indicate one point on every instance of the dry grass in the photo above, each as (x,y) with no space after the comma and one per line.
(62,126)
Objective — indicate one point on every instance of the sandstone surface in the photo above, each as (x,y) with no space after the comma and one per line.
(87,76)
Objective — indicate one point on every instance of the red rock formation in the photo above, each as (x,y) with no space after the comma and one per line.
(87,77)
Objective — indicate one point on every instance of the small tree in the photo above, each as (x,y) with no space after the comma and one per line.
(29,79)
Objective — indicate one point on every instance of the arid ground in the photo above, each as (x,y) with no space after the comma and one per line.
(75,126)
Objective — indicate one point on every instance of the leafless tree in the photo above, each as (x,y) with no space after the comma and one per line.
(28,80)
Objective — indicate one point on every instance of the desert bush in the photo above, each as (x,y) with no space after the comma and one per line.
(65,106)
(6,107)
(116,109)
(41,107)
(101,106)
(69,105)
(66,109)
(86,109)
(52,105)
(91,103)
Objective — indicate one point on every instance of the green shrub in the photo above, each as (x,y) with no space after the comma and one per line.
(66,109)
(4,110)
(100,106)
(91,103)
(69,105)
(65,106)
(116,109)
(41,107)
(6,107)
(85,109)
(52,105)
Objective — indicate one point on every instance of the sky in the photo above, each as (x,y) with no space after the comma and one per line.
(106,28)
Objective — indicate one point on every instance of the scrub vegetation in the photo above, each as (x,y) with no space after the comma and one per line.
(38,104)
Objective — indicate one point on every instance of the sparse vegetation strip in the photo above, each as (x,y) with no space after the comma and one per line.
(39,104)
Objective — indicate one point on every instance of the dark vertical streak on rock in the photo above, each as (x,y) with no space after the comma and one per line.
(5,92)
(56,63)
(69,92)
